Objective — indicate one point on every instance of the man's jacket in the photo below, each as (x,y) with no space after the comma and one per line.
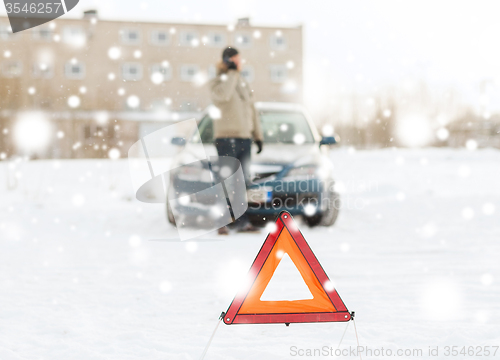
(232,95)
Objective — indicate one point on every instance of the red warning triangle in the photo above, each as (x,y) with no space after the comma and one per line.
(326,304)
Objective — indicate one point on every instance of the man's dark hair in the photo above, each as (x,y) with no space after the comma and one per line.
(228,53)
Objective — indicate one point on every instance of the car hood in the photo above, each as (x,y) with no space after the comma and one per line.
(272,160)
(286,154)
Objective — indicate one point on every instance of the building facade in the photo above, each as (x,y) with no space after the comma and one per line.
(91,75)
(484,132)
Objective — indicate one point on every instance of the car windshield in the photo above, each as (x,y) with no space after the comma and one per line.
(285,127)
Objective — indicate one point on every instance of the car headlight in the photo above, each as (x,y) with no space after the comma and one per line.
(187,158)
(307,171)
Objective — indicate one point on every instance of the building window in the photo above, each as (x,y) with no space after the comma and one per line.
(247,73)
(43,70)
(91,131)
(278,73)
(6,32)
(212,72)
(216,39)
(130,36)
(163,69)
(243,40)
(74,70)
(43,33)
(45,104)
(277,42)
(188,72)
(160,37)
(12,69)
(132,71)
(74,35)
(189,38)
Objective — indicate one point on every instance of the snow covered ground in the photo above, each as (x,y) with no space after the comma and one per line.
(415,253)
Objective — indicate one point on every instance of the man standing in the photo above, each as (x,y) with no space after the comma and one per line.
(238,123)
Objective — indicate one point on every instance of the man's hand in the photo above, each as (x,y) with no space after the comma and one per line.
(259,145)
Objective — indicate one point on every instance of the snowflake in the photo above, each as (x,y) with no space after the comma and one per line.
(471,145)
(165,287)
(157,78)
(133,101)
(73,101)
(32,131)
(114,154)
(488,209)
(78,200)
(329,285)
(299,139)
(134,241)
(114,53)
(467,213)
(214,112)
(191,246)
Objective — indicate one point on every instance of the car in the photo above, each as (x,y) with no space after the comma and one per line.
(292,173)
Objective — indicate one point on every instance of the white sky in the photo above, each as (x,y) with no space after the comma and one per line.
(359,44)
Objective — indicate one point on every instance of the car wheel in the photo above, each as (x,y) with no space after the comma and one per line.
(312,221)
(170,214)
(257,220)
(327,217)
